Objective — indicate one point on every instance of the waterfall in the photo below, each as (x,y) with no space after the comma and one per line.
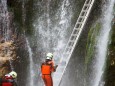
(101,48)
(51,30)
(50,35)
(31,73)
(5,31)
(64,23)
(4,20)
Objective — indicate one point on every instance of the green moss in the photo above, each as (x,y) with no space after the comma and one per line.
(91,42)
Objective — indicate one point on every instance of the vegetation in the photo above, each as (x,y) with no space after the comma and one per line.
(110,69)
(91,42)
(110,66)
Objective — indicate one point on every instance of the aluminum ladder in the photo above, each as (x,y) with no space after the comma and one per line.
(57,77)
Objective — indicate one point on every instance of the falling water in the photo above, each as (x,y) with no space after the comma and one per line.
(51,35)
(4,25)
(64,23)
(4,20)
(103,43)
(31,73)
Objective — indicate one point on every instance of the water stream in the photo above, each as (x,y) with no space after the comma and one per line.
(5,30)
(4,20)
(51,32)
(102,45)
(31,73)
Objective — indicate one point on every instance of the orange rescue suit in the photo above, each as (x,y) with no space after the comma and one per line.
(47,68)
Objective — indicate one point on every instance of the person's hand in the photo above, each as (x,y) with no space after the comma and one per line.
(56,66)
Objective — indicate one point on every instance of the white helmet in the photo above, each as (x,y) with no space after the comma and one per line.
(13,74)
(49,56)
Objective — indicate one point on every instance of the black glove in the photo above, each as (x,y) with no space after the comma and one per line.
(56,66)
(0,80)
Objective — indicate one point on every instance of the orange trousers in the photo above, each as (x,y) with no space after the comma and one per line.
(47,80)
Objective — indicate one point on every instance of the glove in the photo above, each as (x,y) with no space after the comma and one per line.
(56,67)
(0,81)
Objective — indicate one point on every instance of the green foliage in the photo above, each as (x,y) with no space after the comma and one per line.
(91,42)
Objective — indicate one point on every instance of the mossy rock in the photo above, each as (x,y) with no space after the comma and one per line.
(91,42)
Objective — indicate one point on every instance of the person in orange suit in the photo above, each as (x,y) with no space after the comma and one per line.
(47,68)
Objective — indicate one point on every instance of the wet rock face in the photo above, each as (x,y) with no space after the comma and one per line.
(110,69)
(7,56)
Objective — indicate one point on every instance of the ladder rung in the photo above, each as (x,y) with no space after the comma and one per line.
(75,32)
(87,4)
(74,35)
(84,10)
(67,51)
(78,25)
(79,22)
(71,40)
(70,46)
(86,7)
(76,28)
(70,43)
(82,17)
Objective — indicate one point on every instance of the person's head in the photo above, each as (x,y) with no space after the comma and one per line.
(13,74)
(49,56)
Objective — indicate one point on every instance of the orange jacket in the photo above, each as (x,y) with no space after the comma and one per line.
(47,67)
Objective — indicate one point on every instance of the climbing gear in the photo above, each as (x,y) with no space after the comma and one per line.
(13,74)
(49,56)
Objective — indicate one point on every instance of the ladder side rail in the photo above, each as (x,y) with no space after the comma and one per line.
(76,40)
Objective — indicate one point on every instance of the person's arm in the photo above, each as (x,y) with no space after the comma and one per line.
(15,82)
(0,81)
(54,67)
